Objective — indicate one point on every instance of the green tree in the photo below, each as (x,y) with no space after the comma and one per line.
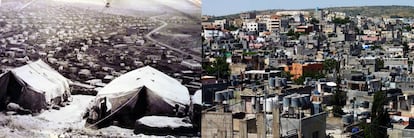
(379,64)
(379,117)
(294,35)
(219,68)
(314,21)
(329,65)
(337,111)
(339,99)
(233,28)
(376,47)
(408,28)
(290,32)
(286,74)
(341,21)
(405,49)
(358,32)
(299,81)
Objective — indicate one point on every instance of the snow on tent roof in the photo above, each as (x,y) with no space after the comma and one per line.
(40,77)
(197,99)
(161,84)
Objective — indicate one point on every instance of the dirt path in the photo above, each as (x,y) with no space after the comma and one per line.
(164,24)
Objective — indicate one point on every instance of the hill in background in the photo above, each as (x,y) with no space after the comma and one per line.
(370,11)
(377,11)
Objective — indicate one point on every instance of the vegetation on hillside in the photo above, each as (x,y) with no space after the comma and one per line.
(372,11)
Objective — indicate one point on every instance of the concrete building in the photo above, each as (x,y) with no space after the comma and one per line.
(273,23)
(208,25)
(222,24)
(362,83)
(314,126)
(318,14)
(216,125)
(254,26)
(248,15)
(297,69)
(304,29)
(394,51)
(276,62)
(191,64)
(396,63)
(212,33)
(299,18)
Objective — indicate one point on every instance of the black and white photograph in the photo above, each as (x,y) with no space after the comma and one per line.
(100,68)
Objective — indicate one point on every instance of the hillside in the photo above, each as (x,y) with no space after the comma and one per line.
(376,11)
(371,11)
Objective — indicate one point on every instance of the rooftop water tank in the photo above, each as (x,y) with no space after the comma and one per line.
(286,101)
(272,82)
(284,81)
(303,101)
(296,102)
(316,108)
(347,119)
(269,104)
(306,98)
(278,82)
(218,97)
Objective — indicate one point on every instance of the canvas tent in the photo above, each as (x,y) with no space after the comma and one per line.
(141,92)
(33,86)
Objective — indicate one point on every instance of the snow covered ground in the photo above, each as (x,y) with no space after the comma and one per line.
(66,122)
(163,121)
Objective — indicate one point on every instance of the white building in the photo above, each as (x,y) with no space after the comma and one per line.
(210,34)
(299,18)
(191,64)
(221,23)
(254,26)
(396,62)
(273,24)
(395,51)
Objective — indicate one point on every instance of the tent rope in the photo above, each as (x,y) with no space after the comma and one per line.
(119,108)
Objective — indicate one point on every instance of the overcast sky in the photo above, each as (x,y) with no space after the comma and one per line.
(224,7)
(181,5)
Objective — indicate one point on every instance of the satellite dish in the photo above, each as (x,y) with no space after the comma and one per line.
(332,84)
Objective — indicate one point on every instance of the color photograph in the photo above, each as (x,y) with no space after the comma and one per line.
(307,68)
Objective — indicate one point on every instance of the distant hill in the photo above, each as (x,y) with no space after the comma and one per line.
(371,11)
(377,11)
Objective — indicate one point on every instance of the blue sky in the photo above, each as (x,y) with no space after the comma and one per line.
(224,7)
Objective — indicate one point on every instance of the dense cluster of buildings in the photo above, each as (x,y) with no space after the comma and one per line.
(276,59)
(90,46)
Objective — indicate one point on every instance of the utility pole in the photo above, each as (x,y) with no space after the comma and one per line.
(264,110)
(300,124)
(267,71)
(276,121)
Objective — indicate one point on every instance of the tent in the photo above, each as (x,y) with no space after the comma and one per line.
(141,92)
(33,86)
